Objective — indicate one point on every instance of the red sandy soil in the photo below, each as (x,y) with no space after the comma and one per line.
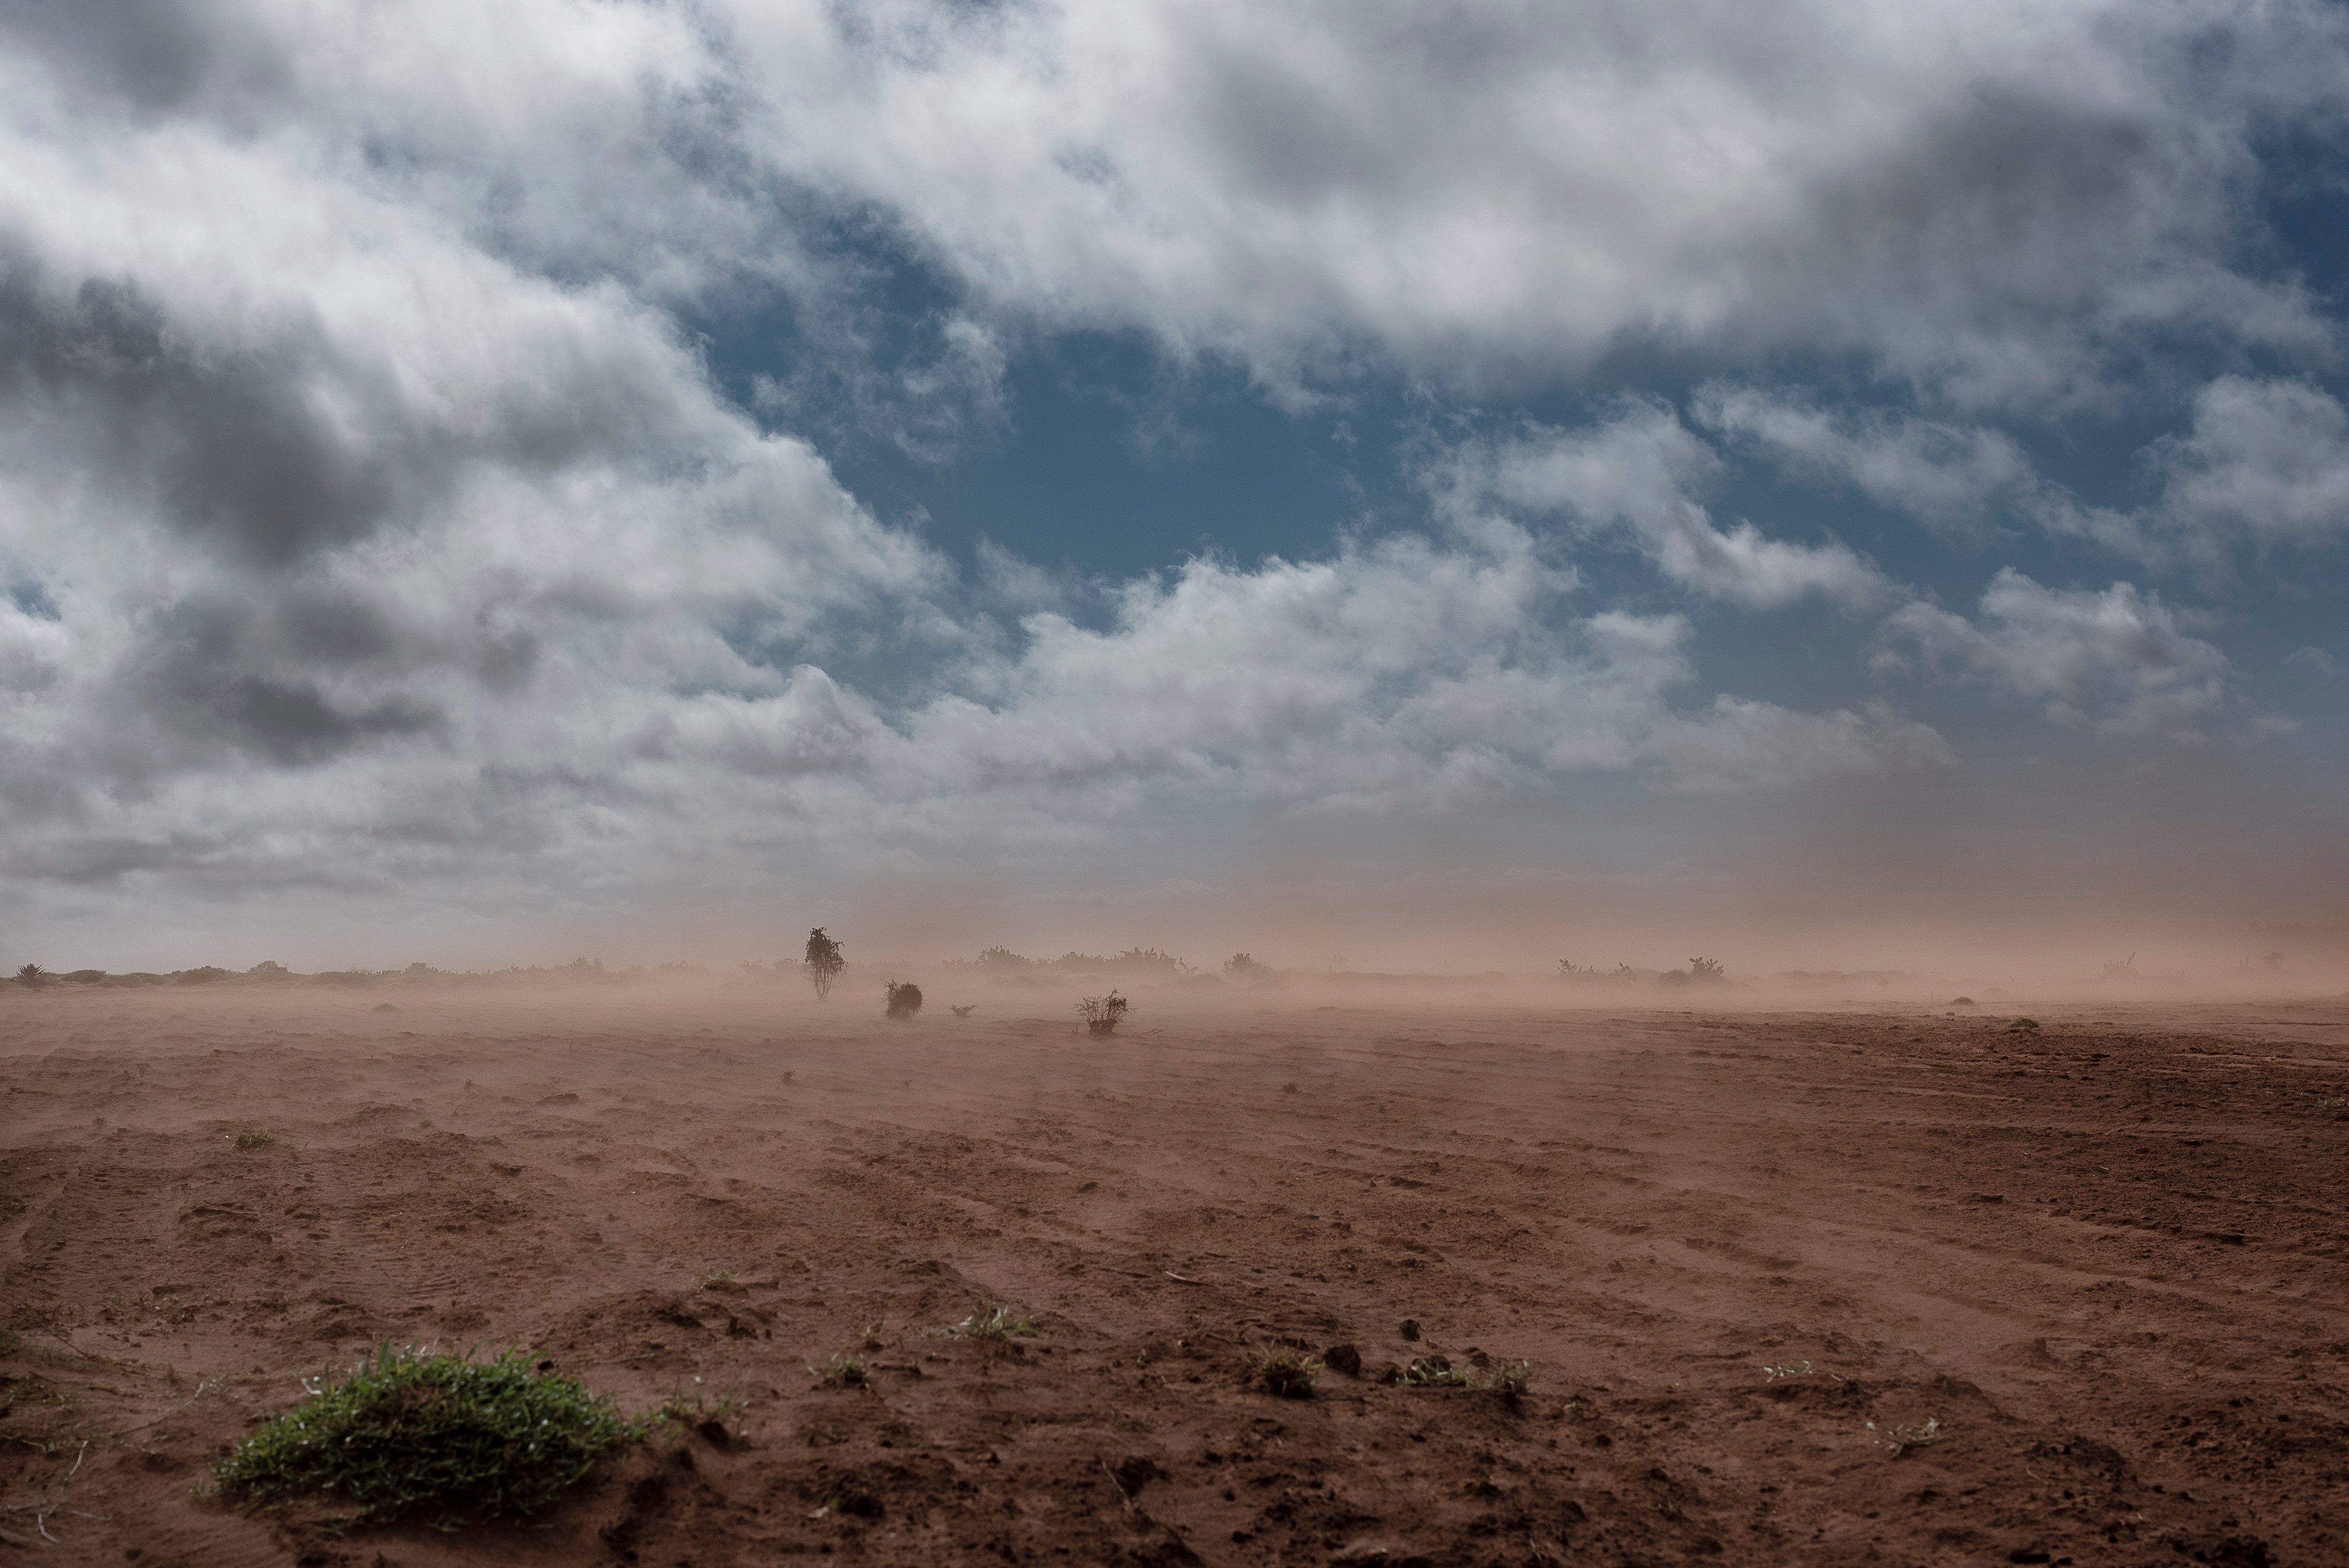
(2110,1260)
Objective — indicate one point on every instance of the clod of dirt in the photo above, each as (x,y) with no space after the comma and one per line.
(1387,1371)
(1343,1358)
(1135,1471)
(1410,1328)
(713,1432)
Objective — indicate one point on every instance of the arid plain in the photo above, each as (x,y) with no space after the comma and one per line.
(2103,1267)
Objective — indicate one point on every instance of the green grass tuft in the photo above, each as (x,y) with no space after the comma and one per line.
(253,1140)
(1434,1372)
(996,1324)
(1509,1379)
(410,1434)
(843,1371)
(1284,1370)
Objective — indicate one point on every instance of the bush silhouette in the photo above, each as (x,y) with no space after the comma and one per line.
(1101,1013)
(823,962)
(905,999)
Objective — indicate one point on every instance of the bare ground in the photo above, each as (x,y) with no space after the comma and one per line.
(2110,1262)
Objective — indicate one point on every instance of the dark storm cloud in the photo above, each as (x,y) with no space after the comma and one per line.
(157,53)
(225,441)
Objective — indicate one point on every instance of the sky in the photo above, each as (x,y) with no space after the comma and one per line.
(1835,483)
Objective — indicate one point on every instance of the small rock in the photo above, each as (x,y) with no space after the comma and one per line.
(1343,1358)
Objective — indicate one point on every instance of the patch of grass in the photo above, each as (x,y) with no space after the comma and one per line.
(1435,1372)
(700,1413)
(843,1371)
(253,1140)
(410,1433)
(715,1279)
(2023,1026)
(1510,1379)
(996,1324)
(1785,1369)
(1900,1439)
(1284,1370)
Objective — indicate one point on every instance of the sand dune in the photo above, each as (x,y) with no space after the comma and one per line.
(2109,1260)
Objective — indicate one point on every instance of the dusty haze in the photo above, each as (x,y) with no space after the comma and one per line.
(2098,1263)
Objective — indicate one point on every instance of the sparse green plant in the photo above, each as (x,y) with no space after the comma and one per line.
(905,999)
(1900,1439)
(1102,1014)
(1510,1379)
(823,962)
(991,1323)
(1435,1372)
(32,977)
(1241,966)
(2023,1026)
(410,1433)
(964,1010)
(1705,968)
(1785,1369)
(1284,1370)
(714,1279)
(843,1371)
(253,1140)
(697,1409)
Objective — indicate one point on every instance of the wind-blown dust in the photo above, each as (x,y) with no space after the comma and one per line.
(1753,1259)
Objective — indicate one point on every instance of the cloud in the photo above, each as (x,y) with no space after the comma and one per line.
(1998,203)
(1940,472)
(1989,200)
(2267,461)
(370,519)
(1641,471)
(2119,661)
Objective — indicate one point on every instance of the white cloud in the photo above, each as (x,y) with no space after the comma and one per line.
(2266,462)
(2119,661)
(366,518)
(1985,198)
(1937,472)
(1641,470)
(378,558)
(1989,200)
